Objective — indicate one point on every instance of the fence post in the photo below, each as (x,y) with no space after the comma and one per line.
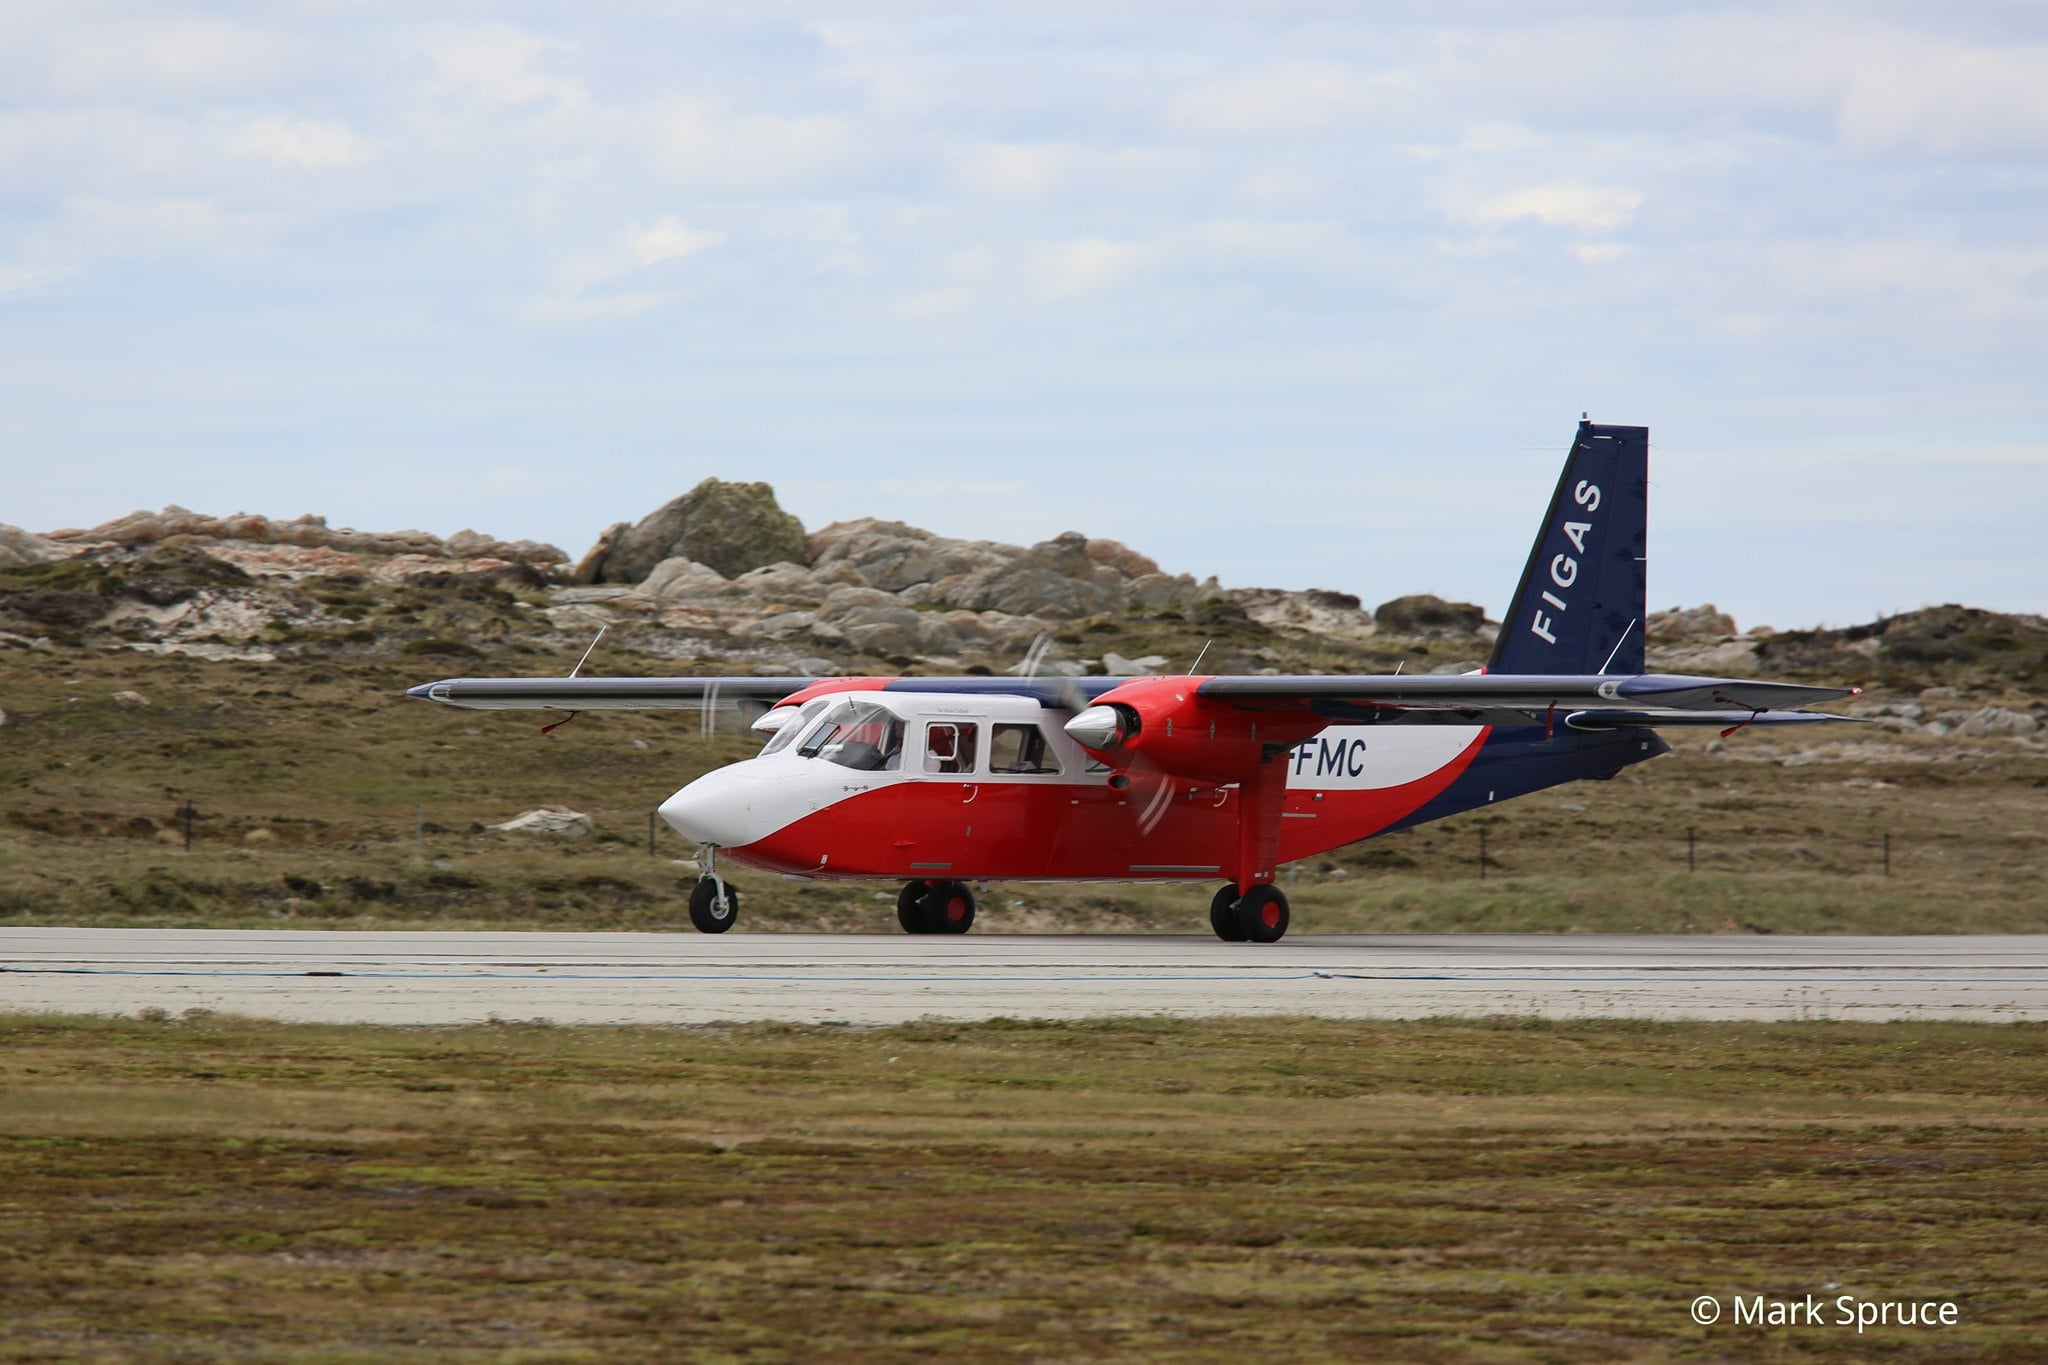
(1887,855)
(1482,853)
(650,834)
(1688,849)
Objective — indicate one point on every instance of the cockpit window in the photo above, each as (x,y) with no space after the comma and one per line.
(857,734)
(794,726)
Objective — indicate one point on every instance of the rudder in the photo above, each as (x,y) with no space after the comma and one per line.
(1579,607)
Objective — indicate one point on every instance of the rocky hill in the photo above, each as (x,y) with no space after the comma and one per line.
(722,578)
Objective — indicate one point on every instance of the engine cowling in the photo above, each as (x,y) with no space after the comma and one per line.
(1164,723)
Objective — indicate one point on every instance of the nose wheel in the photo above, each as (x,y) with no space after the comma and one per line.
(1257,916)
(714,901)
(714,905)
(935,907)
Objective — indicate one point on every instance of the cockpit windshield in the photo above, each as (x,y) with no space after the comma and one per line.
(857,734)
(794,726)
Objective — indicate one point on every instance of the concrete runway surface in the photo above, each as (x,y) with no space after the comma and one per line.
(687,978)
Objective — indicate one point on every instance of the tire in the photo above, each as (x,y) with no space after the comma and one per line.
(1262,914)
(910,907)
(706,913)
(1223,915)
(948,908)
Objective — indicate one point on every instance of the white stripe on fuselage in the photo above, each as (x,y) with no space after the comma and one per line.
(1371,757)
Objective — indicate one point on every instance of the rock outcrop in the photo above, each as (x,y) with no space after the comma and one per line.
(1425,616)
(307,532)
(1070,575)
(25,547)
(729,527)
(1690,623)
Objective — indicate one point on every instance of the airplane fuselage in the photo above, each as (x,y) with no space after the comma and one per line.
(992,787)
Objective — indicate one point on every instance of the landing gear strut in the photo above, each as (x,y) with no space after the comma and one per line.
(714,902)
(1257,916)
(935,907)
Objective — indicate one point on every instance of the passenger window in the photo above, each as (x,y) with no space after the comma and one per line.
(949,747)
(1020,749)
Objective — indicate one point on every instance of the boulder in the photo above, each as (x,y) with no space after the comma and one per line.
(1690,623)
(1122,558)
(731,527)
(1318,609)
(679,578)
(1988,721)
(898,558)
(1161,592)
(25,547)
(555,820)
(782,582)
(1026,589)
(1426,615)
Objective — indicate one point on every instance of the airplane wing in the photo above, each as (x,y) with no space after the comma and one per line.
(1581,701)
(606,694)
(1578,701)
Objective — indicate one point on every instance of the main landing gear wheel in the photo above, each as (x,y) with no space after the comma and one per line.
(935,908)
(1223,915)
(1258,916)
(714,905)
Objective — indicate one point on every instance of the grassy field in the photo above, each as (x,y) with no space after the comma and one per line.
(213,1188)
(325,798)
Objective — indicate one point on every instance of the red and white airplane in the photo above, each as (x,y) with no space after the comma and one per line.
(938,782)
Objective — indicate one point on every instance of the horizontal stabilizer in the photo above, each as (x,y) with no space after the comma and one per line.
(1705,720)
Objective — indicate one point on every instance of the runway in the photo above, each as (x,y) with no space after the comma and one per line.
(445,978)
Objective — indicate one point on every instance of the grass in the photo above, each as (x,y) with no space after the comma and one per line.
(325,798)
(1136,1189)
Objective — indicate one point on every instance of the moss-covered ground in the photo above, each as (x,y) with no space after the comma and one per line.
(214,1188)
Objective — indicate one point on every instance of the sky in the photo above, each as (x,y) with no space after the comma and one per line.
(1296,294)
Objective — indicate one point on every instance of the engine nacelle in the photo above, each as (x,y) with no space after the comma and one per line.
(1164,723)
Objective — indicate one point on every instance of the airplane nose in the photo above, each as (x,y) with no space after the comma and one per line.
(712,810)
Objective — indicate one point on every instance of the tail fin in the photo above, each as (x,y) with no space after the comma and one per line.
(1579,608)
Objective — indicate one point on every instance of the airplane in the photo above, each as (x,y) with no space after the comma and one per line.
(941,781)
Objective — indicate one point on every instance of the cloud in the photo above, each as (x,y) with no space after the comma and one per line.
(1944,98)
(1086,266)
(304,143)
(669,240)
(1981,282)
(1277,101)
(17,281)
(501,66)
(1045,170)
(610,284)
(1599,253)
(708,145)
(173,57)
(1564,203)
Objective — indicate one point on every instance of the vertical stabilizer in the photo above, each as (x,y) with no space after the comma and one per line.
(1579,608)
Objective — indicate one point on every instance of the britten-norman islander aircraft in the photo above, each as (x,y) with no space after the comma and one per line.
(938,782)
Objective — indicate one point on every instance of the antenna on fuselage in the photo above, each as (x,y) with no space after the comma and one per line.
(586,653)
(1199,657)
